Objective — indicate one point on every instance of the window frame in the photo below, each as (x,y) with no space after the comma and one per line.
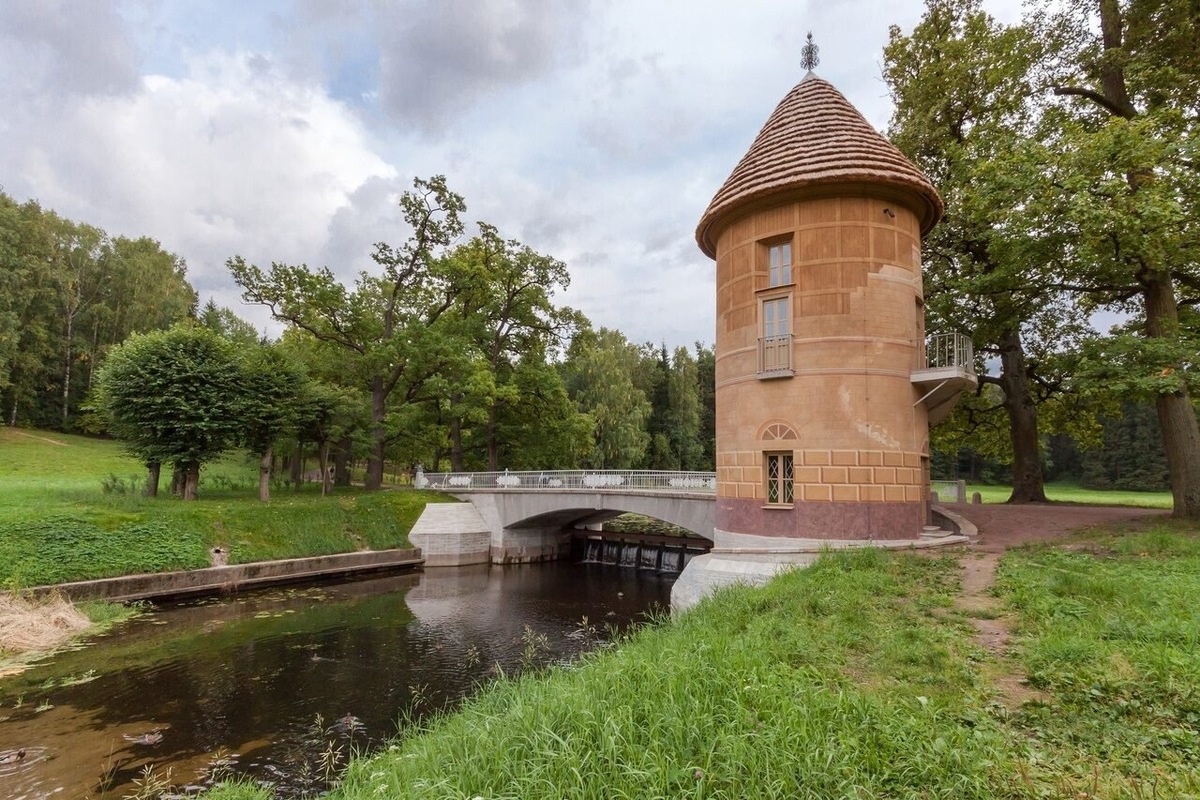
(783,482)
(779,274)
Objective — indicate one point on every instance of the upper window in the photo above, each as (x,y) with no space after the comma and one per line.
(776,319)
(780,271)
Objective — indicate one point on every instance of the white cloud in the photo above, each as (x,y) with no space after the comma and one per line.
(231,159)
(596,133)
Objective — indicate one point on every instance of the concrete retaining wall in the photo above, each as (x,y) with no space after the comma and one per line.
(452,535)
(214,580)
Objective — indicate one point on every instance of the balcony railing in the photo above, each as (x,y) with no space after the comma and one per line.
(949,350)
(775,356)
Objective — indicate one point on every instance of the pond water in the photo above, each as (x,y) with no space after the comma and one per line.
(281,685)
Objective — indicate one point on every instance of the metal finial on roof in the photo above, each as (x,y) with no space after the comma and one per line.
(809,55)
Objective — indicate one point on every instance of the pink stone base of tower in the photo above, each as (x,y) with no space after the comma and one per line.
(840,521)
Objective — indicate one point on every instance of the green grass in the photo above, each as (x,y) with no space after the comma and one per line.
(59,522)
(1074,493)
(1112,632)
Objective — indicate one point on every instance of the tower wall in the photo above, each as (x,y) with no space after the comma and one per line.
(844,408)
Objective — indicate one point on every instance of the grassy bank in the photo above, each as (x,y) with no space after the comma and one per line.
(70,509)
(1074,493)
(855,678)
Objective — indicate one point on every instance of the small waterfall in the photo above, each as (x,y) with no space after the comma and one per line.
(650,557)
(593,551)
(671,561)
(612,553)
(630,553)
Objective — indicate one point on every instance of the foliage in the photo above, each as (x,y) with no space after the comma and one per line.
(391,329)
(174,397)
(1130,456)
(69,293)
(599,370)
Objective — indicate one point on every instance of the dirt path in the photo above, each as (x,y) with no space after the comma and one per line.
(41,438)
(1002,527)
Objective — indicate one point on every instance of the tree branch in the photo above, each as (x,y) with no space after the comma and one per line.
(1098,99)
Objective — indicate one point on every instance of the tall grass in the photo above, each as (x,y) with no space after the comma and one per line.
(842,680)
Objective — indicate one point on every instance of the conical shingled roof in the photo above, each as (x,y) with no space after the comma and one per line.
(815,137)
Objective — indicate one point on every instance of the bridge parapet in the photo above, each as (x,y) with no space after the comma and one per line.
(702,483)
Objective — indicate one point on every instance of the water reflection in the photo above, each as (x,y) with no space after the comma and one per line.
(269,684)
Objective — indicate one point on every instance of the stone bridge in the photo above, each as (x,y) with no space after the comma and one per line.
(521,517)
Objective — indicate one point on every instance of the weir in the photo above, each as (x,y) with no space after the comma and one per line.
(662,554)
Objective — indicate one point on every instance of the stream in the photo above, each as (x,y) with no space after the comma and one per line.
(281,685)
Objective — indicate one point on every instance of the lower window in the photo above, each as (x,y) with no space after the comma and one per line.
(779,478)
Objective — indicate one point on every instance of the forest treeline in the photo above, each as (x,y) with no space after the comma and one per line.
(68,294)
(514,381)
(453,354)
(1065,147)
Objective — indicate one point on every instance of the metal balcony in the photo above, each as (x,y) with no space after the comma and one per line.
(948,372)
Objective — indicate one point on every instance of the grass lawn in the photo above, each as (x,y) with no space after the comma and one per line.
(71,509)
(1074,493)
(856,678)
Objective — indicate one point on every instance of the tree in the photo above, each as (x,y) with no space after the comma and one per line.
(325,413)
(962,84)
(79,257)
(683,412)
(268,405)
(172,397)
(506,312)
(598,376)
(706,380)
(390,327)
(1116,207)
(67,294)
(542,428)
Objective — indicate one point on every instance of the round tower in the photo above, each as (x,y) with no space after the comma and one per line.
(823,407)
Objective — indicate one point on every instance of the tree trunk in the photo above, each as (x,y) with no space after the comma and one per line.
(1176,416)
(1028,482)
(153,472)
(264,475)
(66,394)
(323,459)
(341,463)
(378,434)
(456,450)
(296,466)
(191,484)
(493,450)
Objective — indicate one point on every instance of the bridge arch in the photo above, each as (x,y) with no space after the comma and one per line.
(529,516)
(537,525)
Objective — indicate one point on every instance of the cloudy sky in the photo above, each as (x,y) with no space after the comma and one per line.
(594,131)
